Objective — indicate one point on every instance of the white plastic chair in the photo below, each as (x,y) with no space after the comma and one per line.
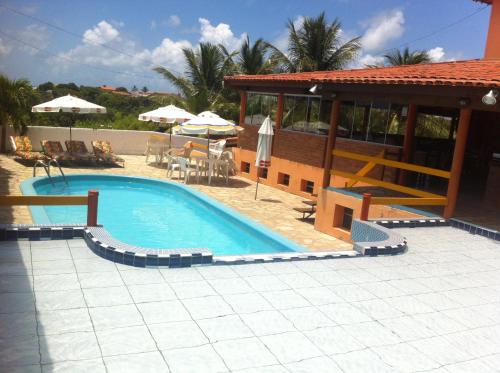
(224,164)
(186,168)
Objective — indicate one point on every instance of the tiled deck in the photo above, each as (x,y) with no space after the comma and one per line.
(273,208)
(433,309)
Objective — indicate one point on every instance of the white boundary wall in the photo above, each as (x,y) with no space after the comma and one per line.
(122,141)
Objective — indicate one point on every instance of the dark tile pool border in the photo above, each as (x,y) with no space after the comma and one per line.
(373,239)
(475,229)
(106,246)
(39,232)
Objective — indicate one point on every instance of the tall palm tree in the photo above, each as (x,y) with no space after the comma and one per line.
(316,45)
(252,59)
(16,99)
(406,57)
(201,86)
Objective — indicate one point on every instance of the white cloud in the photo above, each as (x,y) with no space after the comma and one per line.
(174,20)
(369,60)
(436,54)
(100,34)
(35,35)
(169,53)
(281,41)
(220,34)
(4,48)
(382,29)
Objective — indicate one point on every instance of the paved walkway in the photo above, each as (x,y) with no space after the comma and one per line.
(273,208)
(433,309)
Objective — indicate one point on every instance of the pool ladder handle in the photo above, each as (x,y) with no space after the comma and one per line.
(46,167)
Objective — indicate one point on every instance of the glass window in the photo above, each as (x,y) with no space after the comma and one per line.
(347,218)
(259,106)
(346,119)
(433,126)
(306,114)
(397,124)
(380,122)
(361,119)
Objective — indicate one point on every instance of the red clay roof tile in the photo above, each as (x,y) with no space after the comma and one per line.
(480,73)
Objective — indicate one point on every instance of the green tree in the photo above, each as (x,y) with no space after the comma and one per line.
(145,89)
(315,45)
(252,59)
(16,99)
(201,86)
(122,89)
(406,57)
(134,88)
(48,86)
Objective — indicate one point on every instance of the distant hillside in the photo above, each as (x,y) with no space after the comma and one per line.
(122,107)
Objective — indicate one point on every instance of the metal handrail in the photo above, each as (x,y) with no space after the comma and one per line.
(46,167)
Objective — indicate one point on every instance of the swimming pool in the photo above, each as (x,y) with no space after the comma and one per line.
(157,214)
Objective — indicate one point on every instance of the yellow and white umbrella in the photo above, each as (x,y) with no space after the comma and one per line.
(207,123)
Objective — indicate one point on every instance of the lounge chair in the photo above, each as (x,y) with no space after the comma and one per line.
(104,153)
(22,148)
(307,212)
(54,150)
(156,145)
(79,150)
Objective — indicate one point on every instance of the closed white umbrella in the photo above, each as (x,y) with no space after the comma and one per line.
(167,114)
(69,104)
(264,144)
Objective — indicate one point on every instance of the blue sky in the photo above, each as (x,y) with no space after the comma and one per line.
(143,34)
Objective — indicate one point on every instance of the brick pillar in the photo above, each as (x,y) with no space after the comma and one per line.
(458,161)
(243,107)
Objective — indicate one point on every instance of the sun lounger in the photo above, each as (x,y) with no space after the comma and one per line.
(79,150)
(104,153)
(306,212)
(54,150)
(22,148)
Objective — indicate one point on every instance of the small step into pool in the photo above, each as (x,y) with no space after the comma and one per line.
(157,214)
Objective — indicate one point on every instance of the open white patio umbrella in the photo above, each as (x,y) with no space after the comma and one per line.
(207,123)
(167,115)
(264,144)
(69,104)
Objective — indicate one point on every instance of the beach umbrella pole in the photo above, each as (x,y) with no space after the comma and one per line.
(257,186)
(208,143)
(170,138)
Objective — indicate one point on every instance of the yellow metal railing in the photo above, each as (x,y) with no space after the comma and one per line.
(419,197)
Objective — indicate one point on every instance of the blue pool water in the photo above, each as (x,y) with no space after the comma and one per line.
(157,214)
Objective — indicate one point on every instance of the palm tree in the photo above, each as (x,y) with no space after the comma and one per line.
(406,57)
(16,99)
(202,86)
(315,46)
(252,58)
